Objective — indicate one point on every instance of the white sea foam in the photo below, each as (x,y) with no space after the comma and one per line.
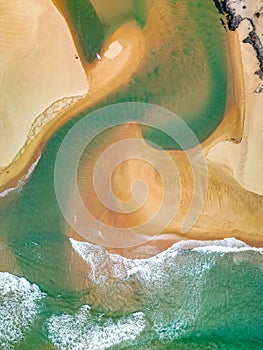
(18,308)
(81,332)
(105,266)
(153,274)
(22,181)
(170,276)
(228,245)
(124,279)
(175,276)
(94,254)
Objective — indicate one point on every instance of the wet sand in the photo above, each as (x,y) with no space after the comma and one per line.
(232,124)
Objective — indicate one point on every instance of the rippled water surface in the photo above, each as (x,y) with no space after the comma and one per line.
(196,295)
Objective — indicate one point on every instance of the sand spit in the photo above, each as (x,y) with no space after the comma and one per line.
(37,68)
(229,210)
(116,72)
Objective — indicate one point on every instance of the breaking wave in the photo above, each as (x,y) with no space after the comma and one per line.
(19,307)
(83,332)
(174,288)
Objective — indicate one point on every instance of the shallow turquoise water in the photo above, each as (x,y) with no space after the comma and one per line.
(181,299)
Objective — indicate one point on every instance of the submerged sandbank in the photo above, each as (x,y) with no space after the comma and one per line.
(219,217)
(8,262)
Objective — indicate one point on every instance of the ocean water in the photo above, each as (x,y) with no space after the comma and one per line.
(195,295)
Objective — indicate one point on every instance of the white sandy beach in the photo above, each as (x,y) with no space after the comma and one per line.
(244,160)
(37,68)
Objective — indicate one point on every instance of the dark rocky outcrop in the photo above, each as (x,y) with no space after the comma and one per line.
(221,6)
(254,40)
(233,21)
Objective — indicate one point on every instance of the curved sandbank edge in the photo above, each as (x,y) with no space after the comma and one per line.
(119,72)
(232,121)
(232,124)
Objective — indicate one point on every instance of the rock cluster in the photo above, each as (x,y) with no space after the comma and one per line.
(235,11)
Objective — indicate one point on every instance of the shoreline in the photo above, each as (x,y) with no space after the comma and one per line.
(232,124)
(243,161)
(132,40)
(163,242)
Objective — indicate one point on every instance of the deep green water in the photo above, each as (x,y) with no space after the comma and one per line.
(181,299)
(87,27)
